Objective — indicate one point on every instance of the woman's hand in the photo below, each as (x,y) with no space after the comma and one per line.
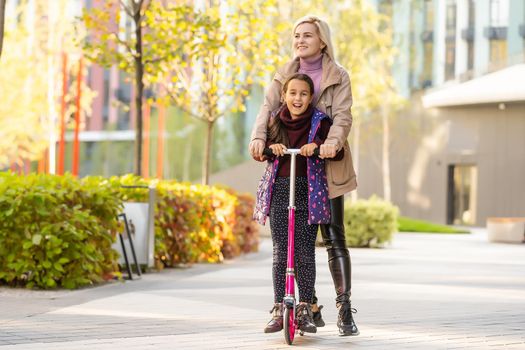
(278,149)
(256,148)
(308,149)
(327,151)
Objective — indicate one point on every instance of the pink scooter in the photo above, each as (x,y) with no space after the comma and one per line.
(290,324)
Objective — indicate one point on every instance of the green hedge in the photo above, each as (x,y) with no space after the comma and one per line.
(370,223)
(57,231)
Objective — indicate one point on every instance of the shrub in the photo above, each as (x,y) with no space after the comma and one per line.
(56,231)
(185,225)
(244,237)
(245,228)
(370,223)
(196,223)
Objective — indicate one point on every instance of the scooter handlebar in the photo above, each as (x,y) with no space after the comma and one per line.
(269,153)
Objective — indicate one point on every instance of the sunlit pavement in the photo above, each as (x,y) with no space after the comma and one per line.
(420,292)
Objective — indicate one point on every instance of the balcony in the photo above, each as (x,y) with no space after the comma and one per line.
(426,83)
(495,33)
(467,34)
(522,31)
(427,36)
(504,85)
(466,76)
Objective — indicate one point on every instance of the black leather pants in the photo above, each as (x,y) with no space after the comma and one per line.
(338,255)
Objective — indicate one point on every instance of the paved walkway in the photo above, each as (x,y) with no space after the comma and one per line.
(421,292)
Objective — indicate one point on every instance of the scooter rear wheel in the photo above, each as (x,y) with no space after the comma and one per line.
(289,325)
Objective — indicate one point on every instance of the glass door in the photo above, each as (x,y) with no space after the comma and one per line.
(462,194)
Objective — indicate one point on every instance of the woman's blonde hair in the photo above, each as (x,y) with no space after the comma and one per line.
(323,30)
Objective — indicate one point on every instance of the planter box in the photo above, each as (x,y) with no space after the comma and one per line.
(141,218)
(506,230)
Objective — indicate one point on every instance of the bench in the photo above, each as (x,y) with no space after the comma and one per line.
(506,230)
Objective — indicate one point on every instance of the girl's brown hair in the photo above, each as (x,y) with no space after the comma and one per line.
(276,131)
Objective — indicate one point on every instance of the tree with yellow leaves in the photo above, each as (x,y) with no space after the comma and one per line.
(363,43)
(156,40)
(242,49)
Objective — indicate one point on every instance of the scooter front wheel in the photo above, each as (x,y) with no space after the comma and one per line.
(289,325)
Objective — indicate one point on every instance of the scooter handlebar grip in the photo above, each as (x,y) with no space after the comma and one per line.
(268,152)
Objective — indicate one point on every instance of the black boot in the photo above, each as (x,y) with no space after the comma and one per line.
(276,323)
(338,256)
(304,318)
(340,265)
(317,317)
(345,320)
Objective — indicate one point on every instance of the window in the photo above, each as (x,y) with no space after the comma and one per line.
(451,19)
(499,19)
(471,25)
(522,32)
(499,13)
(429,15)
(428,46)
(385,7)
(498,51)
(412,79)
(450,40)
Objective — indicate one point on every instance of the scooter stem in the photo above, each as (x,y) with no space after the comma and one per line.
(290,268)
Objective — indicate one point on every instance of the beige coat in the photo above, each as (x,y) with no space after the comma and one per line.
(335,100)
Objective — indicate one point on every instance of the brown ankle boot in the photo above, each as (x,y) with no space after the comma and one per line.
(304,318)
(276,323)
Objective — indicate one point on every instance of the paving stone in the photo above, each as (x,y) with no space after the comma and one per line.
(428,292)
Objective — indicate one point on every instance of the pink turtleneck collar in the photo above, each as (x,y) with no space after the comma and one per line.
(313,67)
(311,63)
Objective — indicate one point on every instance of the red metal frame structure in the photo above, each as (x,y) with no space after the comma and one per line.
(76,143)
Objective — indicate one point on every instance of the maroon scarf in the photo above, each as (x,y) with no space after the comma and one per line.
(298,127)
(298,130)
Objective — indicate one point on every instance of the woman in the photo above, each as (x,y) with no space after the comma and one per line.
(314,56)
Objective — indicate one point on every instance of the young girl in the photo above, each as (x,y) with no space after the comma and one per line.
(297,125)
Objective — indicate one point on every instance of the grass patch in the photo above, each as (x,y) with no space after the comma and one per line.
(412,225)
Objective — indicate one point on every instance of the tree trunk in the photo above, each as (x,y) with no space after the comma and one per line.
(386,155)
(2,23)
(207,153)
(186,171)
(78,111)
(139,84)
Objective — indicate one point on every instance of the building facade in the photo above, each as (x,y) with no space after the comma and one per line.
(458,150)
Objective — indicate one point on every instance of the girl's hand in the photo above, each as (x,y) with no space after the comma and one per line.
(308,149)
(278,149)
